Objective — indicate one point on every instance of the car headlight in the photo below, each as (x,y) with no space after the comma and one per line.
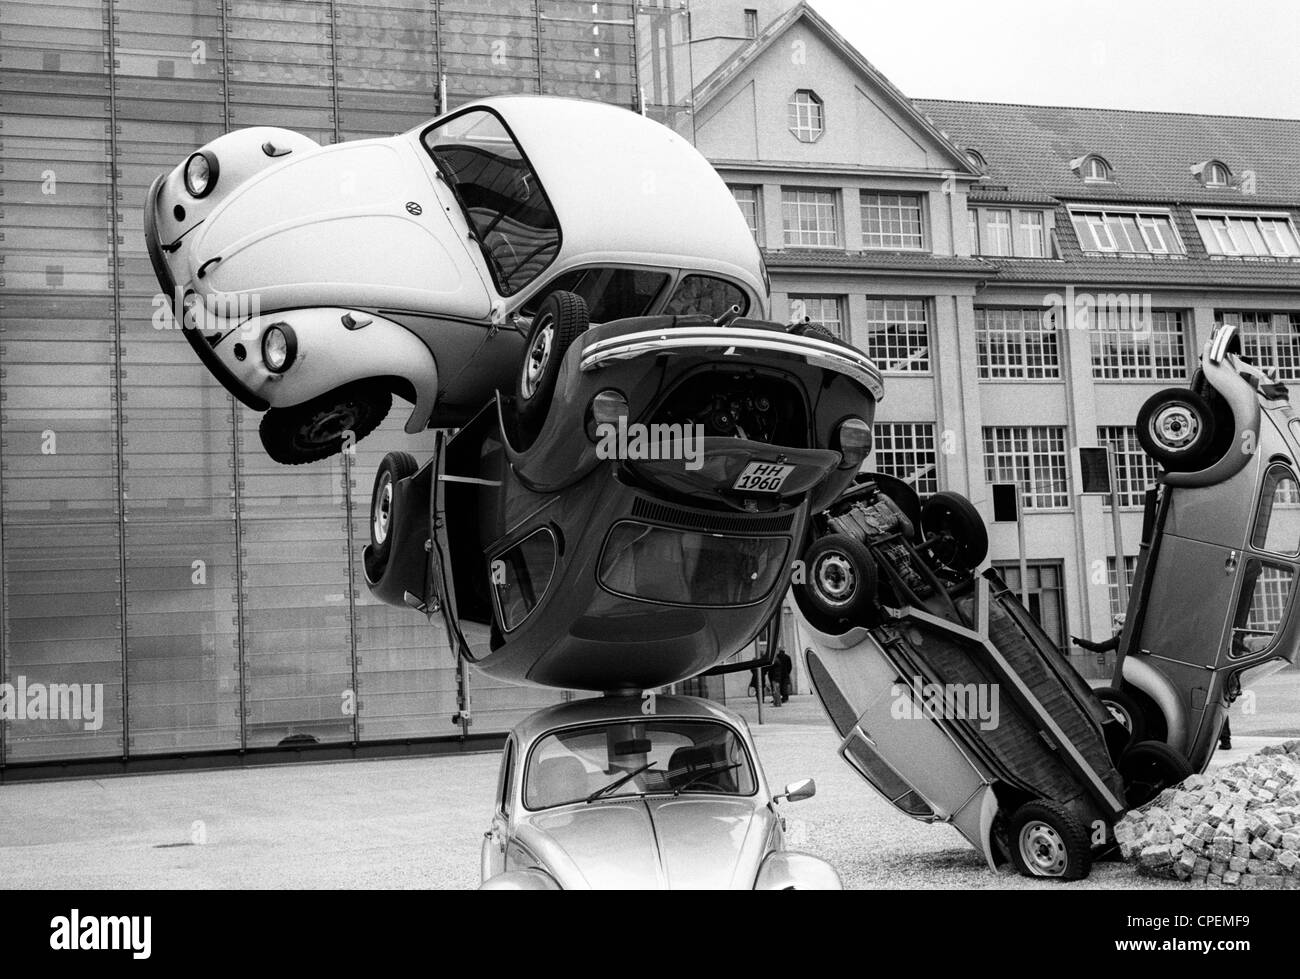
(201,173)
(279,346)
(853,439)
(606,408)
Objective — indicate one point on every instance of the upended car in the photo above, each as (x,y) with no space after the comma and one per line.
(317,282)
(948,697)
(641,792)
(629,518)
(1213,602)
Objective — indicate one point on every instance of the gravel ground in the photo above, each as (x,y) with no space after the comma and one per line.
(419,822)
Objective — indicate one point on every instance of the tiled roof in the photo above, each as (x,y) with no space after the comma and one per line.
(1029,148)
(803,258)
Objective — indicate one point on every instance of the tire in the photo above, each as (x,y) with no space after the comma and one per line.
(1176,428)
(561,319)
(315,429)
(1126,710)
(1148,768)
(965,542)
(1048,840)
(395,467)
(840,580)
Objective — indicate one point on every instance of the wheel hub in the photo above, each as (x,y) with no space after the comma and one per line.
(1175,426)
(539,353)
(835,578)
(1043,849)
(383,509)
(1121,715)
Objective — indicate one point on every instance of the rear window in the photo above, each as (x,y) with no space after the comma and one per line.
(610,293)
(521,575)
(501,196)
(706,294)
(686,567)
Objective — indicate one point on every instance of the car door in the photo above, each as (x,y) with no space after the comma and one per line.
(497,837)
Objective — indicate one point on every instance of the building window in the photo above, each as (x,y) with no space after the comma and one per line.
(1032,457)
(751,23)
(1015,343)
(747,199)
(1269,340)
(1216,175)
(806,116)
(1121,351)
(996,233)
(973,219)
(1135,472)
(898,335)
(824,311)
(1046,593)
(811,217)
(1127,232)
(1112,581)
(1033,241)
(976,158)
(1092,168)
(905,450)
(1248,235)
(892,221)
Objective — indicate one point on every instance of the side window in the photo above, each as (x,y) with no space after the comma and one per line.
(1277,525)
(705,294)
(1265,592)
(520,576)
(610,293)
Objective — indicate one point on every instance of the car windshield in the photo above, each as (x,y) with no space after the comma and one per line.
(503,200)
(683,567)
(661,756)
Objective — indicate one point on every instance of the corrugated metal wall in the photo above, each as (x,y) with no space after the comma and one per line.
(146,542)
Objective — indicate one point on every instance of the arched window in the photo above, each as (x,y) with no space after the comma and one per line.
(807,118)
(1096,170)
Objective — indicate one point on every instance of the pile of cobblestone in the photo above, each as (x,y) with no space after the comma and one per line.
(1237,827)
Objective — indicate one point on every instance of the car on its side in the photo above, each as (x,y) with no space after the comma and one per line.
(316,282)
(645,792)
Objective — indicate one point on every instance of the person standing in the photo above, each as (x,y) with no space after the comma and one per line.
(776,673)
(787,669)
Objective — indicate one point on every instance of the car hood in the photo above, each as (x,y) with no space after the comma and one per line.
(357,224)
(652,843)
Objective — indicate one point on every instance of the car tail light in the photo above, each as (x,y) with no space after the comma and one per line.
(854,442)
(606,408)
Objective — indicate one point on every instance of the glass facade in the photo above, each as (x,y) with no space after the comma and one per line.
(148,547)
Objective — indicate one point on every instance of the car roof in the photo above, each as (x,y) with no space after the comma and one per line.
(593,710)
(628,189)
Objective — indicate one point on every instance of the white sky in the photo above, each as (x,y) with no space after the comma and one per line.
(1232,57)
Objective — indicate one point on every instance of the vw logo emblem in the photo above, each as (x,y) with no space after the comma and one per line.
(413,208)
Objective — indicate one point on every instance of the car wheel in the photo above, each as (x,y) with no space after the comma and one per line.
(1126,710)
(1048,840)
(840,580)
(395,467)
(316,429)
(1176,429)
(561,319)
(1148,768)
(963,542)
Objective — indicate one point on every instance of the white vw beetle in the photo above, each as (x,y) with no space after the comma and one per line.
(624,792)
(315,282)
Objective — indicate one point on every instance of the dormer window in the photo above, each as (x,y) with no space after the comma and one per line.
(1092,168)
(1213,174)
(976,159)
(807,120)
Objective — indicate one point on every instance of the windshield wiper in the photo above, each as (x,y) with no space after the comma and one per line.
(619,781)
(701,774)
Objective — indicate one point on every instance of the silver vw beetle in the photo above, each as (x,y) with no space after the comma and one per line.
(641,792)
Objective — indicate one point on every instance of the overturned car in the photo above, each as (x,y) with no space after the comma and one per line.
(562,553)
(317,282)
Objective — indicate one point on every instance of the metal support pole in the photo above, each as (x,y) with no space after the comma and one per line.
(1121,575)
(1020,544)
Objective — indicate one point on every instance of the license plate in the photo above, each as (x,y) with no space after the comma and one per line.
(762,477)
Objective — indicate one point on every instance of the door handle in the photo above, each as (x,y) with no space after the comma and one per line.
(1230,565)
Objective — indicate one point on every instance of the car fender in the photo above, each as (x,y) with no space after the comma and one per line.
(521,880)
(330,354)
(1143,676)
(1222,371)
(785,870)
